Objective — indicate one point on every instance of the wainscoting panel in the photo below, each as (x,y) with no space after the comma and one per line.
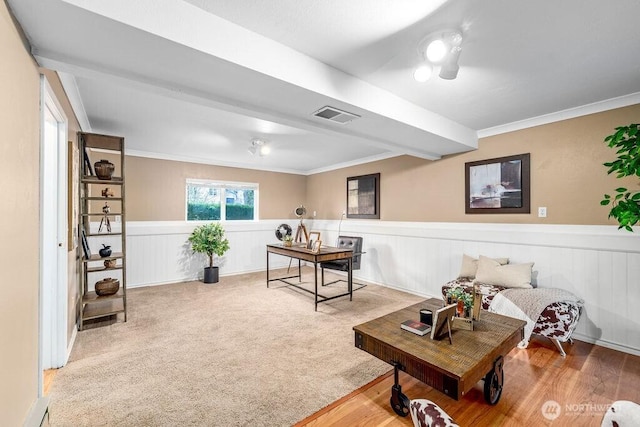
(600,264)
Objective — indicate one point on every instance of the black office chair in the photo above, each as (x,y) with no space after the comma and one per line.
(354,243)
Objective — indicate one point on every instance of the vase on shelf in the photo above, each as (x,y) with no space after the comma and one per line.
(104,169)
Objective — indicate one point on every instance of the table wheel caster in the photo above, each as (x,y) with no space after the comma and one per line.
(399,401)
(493,382)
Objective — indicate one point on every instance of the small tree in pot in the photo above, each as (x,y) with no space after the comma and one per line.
(209,239)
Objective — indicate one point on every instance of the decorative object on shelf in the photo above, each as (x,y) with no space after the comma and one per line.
(105,251)
(625,205)
(104,169)
(106,209)
(209,239)
(107,192)
(287,241)
(110,263)
(87,163)
(85,246)
(497,186)
(107,286)
(363,196)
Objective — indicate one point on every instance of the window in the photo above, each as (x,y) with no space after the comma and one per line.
(221,201)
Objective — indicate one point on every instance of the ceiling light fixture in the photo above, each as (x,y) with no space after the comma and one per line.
(259,146)
(423,72)
(441,48)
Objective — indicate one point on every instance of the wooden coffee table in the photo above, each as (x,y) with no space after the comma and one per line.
(450,368)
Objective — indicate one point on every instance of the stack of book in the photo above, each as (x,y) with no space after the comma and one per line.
(416,327)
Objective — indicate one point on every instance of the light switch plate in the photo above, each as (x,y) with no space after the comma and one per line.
(542,212)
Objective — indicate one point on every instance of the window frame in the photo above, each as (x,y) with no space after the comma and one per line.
(223,186)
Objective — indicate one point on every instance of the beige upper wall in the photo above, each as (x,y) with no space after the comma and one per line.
(155,189)
(567,176)
(19,210)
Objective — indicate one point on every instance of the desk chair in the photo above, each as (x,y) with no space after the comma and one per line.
(354,243)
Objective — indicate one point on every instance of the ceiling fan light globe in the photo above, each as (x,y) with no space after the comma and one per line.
(436,51)
(265,150)
(422,73)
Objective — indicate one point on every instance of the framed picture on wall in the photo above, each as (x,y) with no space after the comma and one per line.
(498,186)
(363,196)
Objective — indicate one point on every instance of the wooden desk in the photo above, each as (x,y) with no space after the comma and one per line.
(301,253)
(450,368)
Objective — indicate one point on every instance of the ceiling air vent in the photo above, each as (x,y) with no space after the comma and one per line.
(335,115)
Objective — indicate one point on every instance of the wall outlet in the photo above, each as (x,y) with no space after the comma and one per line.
(542,212)
(314,214)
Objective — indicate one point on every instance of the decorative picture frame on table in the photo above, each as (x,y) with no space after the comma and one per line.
(314,236)
(498,186)
(442,322)
(317,244)
(363,196)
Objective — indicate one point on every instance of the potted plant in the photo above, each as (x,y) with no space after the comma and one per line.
(626,203)
(209,239)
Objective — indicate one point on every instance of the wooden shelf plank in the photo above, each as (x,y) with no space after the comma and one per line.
(103,308)
(102,214)
(88,179)
(103,234)
(97,257)
(92,297)
(103,198)
(97,269)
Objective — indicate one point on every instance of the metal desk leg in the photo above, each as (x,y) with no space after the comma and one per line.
(350,278)
(315,280)
(299,270)
(267,269)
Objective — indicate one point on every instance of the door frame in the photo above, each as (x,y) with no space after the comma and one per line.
(55,302)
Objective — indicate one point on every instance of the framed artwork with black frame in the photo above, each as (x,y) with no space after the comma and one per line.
(363,196)
(498,186)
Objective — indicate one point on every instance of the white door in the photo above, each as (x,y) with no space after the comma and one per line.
(53,232)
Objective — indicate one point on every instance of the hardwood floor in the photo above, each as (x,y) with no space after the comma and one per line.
(583,384)
(48,376)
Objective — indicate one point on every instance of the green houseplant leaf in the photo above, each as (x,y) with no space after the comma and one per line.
(625,205)
(209,239)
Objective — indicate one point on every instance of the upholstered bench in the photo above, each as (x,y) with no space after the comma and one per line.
(556,321)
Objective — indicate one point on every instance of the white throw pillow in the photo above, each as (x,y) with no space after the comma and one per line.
(490,272)
(470,265)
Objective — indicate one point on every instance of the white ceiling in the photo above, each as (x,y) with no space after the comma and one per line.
(198,79)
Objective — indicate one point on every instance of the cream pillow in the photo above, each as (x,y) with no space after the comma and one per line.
(490,272)
(470,265)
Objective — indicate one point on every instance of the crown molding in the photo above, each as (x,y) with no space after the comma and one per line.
(570,113)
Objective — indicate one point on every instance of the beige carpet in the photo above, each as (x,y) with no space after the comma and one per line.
(228,354)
